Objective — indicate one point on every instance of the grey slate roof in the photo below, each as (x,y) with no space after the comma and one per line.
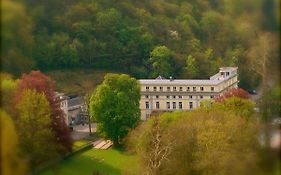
(179,82)
(214,80)
(77,101)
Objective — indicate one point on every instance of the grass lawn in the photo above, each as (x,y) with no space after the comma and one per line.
(79,143)
(107,162)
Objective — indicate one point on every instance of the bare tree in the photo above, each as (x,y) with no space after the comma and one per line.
(158,149)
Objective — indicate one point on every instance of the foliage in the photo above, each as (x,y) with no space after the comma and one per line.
(7,90)
(202,142)
(235,92)
(191,67)
(11,160)
(238,106)
(161,61)
(115,106)
(120,35)
(269,103)
(16,38)
(36,80)
(37,140)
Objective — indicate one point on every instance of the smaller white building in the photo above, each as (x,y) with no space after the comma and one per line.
(63,105)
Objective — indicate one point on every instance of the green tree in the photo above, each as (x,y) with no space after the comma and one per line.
(161,59)
(7,90)
(239,106)
(37,140)
(16,38)
(11,161)
(191,70)
(200,142)
(115,106)
(61,51)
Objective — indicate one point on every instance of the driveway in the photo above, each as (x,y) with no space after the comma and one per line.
(81,131)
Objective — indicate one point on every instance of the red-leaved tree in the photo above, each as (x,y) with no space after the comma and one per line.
(235,92)
(42,83)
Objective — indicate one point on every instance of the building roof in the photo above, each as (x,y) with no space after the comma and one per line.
(228,69)
(77,101)
(214,80)
(180,82)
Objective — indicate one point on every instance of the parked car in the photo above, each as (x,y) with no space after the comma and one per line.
(253,91)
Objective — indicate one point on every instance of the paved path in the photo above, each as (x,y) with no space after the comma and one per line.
(81,131)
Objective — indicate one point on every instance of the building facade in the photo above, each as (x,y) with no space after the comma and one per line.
(158,95)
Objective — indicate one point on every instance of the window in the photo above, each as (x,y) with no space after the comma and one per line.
(212,88)
(190,96)
(201,96)
(174,105)
(180,105)
(161,88)
(147,88)
(147,116)
(154,88)
(174,88)
(194,88)
(202,88)
(188,89)
(212,96)
(190,105)
(174,96)
(180,96)
(168,88)
(146,96)
(157,96)
(168,105)
(157,105)
(180,88)
(168,96)
(147,105)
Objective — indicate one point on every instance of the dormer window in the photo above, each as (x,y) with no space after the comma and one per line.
(180,88)
(168,88)
(154,88)
(147,88)
(161,88)
(174,88)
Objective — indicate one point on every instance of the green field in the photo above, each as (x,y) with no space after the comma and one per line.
(106,162)
(77,81)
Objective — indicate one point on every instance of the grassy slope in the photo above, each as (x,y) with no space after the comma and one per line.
(78,82)
(109,162)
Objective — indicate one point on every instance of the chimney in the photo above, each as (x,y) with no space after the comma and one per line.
(171,78)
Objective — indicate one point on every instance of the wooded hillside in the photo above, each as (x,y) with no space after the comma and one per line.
(188,38)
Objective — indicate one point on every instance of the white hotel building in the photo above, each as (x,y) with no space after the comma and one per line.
(171,94)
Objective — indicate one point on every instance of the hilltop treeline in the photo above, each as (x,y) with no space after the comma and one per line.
(192,37)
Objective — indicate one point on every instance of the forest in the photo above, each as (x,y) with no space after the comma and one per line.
(180,38)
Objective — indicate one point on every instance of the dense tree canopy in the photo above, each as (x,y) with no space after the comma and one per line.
(115,106)
(11,160)
(37,139)
(161,60)
(36,80)
(121,35)
(16,38)
(203,141)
